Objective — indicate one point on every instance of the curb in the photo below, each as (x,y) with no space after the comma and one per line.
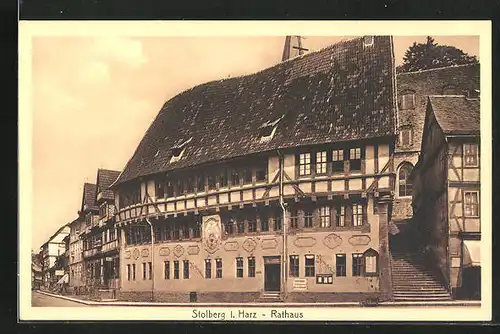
(343,304)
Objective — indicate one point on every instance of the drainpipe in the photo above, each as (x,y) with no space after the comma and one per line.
(152,260)
(284,225)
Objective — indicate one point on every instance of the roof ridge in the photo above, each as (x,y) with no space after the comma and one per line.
(439,68)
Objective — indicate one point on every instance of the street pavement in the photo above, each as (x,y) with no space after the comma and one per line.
(41,300)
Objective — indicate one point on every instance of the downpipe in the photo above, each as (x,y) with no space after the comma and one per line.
(152,260)
(284,225)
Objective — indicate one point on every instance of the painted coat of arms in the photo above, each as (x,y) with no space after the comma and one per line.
(211,233)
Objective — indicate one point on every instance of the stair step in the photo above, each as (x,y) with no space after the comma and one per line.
(416,292)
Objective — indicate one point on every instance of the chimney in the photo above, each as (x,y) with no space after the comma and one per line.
(293,47)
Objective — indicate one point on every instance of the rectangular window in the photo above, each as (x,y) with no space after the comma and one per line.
(405,136)
(208,268)
(340,216)
(223,178)
(133,271)
(181,189)
(235,177)
(128,272)
(251,266)
(309,266)
(338,161)
(229,227)
(304,164)
(197,229)
(176,269)
(407,101)
(167,269)
(247,176)
(200,183)
(186,269)
(340,265)
(471,203)
(159,188)
(241,227)
(144,270)
(357,264)
(150,270)
(239,267)
(324,216)
(308,218)
(294,219)
(252,226)
(189,185)
(212,183)
(261,172)
(470,155)
(264,224)
(294,266)
(355,159)
(169,187)
(357,215)
(277,223)
(321,162)
(218,268)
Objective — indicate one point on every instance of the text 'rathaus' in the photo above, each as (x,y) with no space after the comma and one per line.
(324,178)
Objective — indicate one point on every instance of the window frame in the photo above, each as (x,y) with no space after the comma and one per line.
(308,218)
(357,264)
(340,216)
(341,268)
(304,163)
(176,269)
(166,270)
(369,254)
(208,268)
(294,219)
(403,104)
(357,218)
(325,219)
(218,268)
(239,267)
(294,267)
(338,158)
(405,168)
(472,204)
(475,156)
(309,269)
(251,266)
(321,162)
(185,269)
(355,159)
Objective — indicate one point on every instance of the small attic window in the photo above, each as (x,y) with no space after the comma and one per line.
(368,41)
(473,93)
(268,129)
(178,149)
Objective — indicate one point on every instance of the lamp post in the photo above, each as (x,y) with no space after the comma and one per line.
(152,260)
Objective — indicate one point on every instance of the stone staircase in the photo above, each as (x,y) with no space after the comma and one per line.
(413,281)
(270,297)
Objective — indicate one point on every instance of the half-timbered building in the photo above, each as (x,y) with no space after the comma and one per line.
(446,196)
(275,185)
(100,241)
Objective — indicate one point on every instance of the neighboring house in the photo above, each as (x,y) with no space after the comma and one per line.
(101,243)
(76,264)
(36,271)
(446,197)
(51,250)
(275,185)
(413,89)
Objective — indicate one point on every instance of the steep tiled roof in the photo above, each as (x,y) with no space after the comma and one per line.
(105,178)
(340,93)
(89,196)
(456,114)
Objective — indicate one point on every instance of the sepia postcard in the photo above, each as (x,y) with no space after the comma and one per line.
(255,170)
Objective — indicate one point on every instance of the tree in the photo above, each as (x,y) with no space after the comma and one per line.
(423,56)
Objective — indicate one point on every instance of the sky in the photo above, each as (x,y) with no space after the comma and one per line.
(94,98)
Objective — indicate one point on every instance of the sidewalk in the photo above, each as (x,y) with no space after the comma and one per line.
(453,303)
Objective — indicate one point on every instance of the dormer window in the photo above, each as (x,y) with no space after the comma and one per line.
(178,149)
(368,41)
(268,129)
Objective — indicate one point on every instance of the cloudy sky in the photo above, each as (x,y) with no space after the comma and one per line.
(94,98)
